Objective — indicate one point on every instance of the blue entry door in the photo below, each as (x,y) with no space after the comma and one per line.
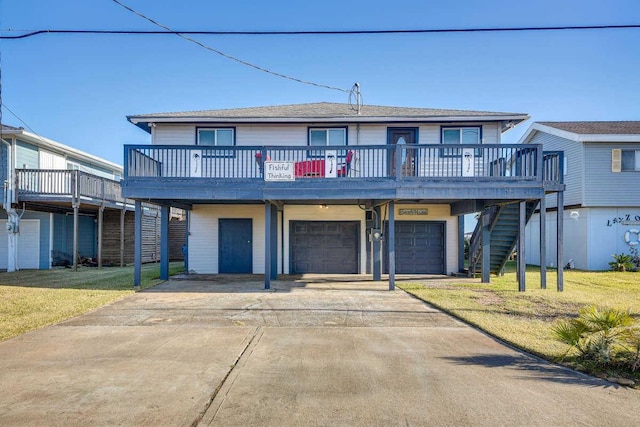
(235,246)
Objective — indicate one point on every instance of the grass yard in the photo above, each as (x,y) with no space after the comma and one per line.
(30,299)
(525,319)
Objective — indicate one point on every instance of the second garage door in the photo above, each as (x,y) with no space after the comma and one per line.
(420,247)
(329,247)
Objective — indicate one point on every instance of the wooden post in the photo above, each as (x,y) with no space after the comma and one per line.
(543,243)
(100,222)
(377,263)
(486,248)
(460,243)
(560,239)
(392,246)
(76,207)
(137,250)
(164,242)
(274,242)
(522,265)
(267,244)
(122,218)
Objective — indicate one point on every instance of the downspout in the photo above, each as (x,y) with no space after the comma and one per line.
(8,203)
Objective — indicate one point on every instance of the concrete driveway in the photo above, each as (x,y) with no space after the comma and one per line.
(319,351)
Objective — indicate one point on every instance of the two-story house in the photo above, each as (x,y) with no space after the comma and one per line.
(333,188)
(602,197)
(61,204)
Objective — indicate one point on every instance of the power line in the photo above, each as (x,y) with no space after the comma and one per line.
(233,58)
(167,31)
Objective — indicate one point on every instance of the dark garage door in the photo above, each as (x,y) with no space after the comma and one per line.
(324,247)
(420,247)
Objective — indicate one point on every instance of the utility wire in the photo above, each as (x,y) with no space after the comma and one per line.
(167,31)
(233,58)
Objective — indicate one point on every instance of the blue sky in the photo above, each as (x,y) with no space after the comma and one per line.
(78,90)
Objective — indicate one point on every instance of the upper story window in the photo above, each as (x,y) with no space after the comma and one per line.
(223,137)
(631,160)
(327,136)
(460,135)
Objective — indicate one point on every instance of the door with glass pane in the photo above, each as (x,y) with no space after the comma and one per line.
(407,137)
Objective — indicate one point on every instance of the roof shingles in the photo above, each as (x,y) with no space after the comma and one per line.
(597,128)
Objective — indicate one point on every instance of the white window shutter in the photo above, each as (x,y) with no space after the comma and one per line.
(616,160)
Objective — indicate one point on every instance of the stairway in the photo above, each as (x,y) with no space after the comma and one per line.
(504,236)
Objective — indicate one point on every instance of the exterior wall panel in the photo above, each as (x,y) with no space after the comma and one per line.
(606,188)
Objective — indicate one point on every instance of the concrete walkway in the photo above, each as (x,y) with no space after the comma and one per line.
(319,351)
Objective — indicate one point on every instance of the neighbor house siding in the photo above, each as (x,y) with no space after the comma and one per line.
(203,235)
(26,155)
(606,188)
(50,160)
(574,156)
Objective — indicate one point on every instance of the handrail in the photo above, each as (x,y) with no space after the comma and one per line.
(401,161)
(62,182)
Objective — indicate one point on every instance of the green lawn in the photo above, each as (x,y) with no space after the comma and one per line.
(524,319)
(31,299)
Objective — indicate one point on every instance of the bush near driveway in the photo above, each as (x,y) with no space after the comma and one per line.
(30,299)
(525,319)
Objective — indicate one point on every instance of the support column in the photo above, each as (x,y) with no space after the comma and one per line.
(522,266)
(267,244)
(274,242)
(392,245)
(100,222)
(164,242)
(137,246)
(460,243)
(122,218)
(76,207)
(560,239)
(543,243)
(486,248)
(377,247)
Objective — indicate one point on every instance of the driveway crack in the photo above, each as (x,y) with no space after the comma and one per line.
(208,414)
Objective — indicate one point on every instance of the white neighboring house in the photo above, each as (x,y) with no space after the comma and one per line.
(602,197)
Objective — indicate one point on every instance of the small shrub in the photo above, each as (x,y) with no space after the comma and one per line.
(622,262)
(598,335)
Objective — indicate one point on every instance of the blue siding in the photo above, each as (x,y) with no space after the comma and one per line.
(44,234)
(27,156)
(93,169)
(605,188)
(63,235)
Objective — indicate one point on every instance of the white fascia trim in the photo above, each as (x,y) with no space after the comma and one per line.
(65,149)
(537,127)
(349,119)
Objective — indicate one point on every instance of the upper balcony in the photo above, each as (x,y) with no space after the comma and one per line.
(59,187)
(445,173)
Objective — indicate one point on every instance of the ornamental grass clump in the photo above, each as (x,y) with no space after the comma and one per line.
(601,339)
(622,262)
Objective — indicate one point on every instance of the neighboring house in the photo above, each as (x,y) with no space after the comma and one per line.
(57,199)
(602,197)
(327,188)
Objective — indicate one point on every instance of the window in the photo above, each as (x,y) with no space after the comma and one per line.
(460,135)
(323,137)
(216,137)
(630,160)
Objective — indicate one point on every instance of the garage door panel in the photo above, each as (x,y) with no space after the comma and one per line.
(419,247)
(324,247)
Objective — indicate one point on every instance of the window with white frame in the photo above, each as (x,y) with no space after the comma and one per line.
(461,135)
(630,160)
(223,137)
(327,136)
